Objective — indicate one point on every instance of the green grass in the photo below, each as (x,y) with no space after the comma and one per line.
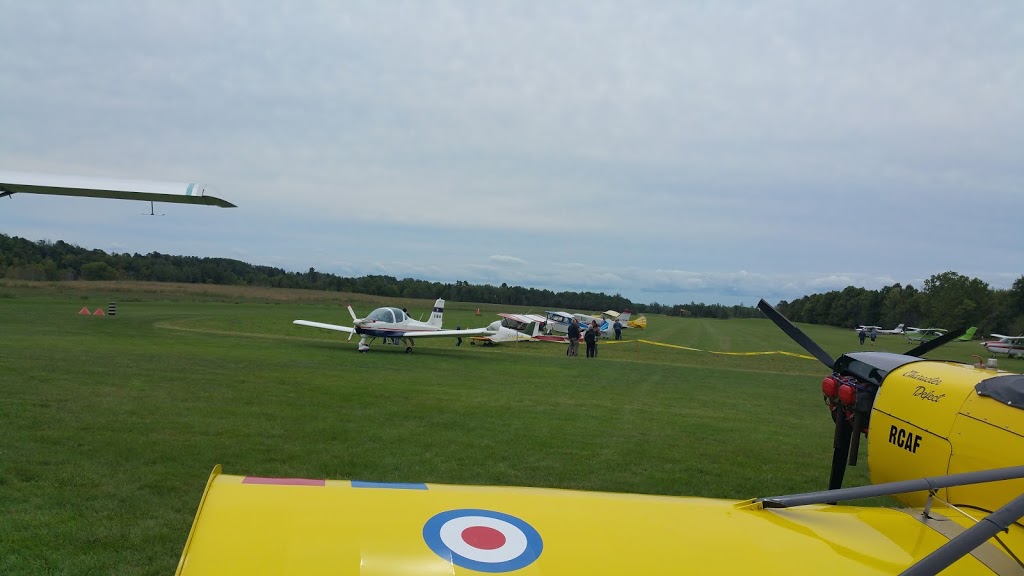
(109,427)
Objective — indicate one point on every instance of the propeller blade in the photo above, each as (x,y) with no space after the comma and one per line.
(355,322)
(798,336)
(840,451)
(930,345)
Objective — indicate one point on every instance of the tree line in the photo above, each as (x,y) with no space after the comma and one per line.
(945,300)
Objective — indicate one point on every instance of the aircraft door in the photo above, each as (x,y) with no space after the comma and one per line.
(989,433)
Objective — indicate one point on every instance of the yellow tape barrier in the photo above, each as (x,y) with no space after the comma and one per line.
(779,352)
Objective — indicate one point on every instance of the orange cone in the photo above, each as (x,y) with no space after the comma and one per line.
(98,312)
(84,311)
(477,311)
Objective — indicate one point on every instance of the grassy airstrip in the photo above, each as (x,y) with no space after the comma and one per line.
(109,427)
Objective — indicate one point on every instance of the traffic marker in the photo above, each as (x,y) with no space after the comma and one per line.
(84,311)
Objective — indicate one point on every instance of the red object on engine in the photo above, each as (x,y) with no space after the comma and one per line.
(847,395)
(829,387)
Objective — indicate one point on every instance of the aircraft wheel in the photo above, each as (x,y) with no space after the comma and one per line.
(408,349)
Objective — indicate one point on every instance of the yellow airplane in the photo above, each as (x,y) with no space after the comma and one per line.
(945,438)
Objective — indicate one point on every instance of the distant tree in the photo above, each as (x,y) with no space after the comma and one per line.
(954,300)
(98,271)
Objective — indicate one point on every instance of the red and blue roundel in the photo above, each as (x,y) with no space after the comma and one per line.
(483,540)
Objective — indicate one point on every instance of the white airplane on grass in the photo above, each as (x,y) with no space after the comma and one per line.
(512,328)
(880,330)
(1009,345)
(395,327)
(12,183)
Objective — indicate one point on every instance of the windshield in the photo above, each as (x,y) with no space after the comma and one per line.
(391,315)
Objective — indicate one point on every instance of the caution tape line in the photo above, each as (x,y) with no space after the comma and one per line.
(768,353)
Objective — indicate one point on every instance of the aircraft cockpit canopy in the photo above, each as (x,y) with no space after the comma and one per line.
(392,315)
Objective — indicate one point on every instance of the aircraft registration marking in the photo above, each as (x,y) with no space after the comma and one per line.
(904,439)
(483,540)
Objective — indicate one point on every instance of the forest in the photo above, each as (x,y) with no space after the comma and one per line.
(946,300)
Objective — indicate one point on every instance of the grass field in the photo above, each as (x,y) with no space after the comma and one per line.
(109,427)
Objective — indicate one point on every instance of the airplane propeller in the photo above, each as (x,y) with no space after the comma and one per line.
(355,322)
(845,397)
(844,430)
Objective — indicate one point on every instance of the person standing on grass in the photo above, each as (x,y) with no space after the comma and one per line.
(618,329)
(861,335)
(873,335)
(590,337)
(573,334)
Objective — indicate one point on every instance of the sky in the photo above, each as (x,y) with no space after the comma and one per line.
(670,152)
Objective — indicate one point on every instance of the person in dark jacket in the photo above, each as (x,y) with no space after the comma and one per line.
(590,337)
(573,333)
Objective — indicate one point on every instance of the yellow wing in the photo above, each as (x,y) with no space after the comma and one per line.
(248,525)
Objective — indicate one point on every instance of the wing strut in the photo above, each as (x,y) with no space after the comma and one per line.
(945,555)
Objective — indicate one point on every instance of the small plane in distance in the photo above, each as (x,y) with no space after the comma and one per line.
(395,327)
(512,328)
(1009,345)
(880,330)
(922,334)
(12,183)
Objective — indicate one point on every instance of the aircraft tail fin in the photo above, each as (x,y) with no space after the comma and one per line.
(437,314)
(625,315)
(969,335)
(640,322)
(900,328)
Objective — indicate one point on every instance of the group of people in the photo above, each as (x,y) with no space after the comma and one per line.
(862,334)
(590,337)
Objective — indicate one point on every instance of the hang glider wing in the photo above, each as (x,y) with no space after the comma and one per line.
(60,185)
(256,525)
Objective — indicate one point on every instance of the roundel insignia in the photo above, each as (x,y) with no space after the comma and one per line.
(483,540)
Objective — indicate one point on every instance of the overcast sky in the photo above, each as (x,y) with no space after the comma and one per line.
(667,151)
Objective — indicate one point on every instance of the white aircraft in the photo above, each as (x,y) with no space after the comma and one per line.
(922,334)
(512,328)
(395,327)
(63,185)
(880,330)
(557,321)
(1009,345)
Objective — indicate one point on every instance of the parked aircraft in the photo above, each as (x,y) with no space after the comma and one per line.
(395,327)
(927,334)
(626,319)
(62,185)
(923,334)
(879,330)
(557,321)
(1009,345)
(943,438)
(512,328)
(603,323)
